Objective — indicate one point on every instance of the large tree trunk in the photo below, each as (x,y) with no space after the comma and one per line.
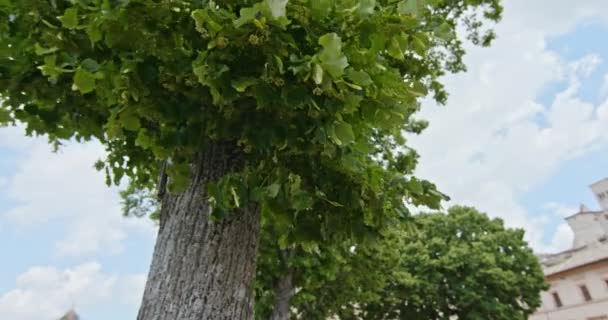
(283,292)
(203,269)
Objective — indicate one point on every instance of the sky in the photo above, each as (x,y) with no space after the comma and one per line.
(523,135)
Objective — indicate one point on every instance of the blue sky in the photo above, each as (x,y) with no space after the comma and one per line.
(523,136)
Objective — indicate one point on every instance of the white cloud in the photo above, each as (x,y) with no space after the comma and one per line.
(604,87)
(46,292)
(14,138)
(64,187)
(561,210)
(495,141)
(563,237)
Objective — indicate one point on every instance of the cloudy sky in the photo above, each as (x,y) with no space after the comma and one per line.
(523,135)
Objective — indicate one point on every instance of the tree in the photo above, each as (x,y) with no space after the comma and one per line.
(240,113)
(459,265)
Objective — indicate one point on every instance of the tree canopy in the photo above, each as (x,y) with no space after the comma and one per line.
(461,264)
(317,93)
(312,98)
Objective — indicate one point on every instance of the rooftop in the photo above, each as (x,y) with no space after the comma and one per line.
(590,244)
(574,258)
(70,315)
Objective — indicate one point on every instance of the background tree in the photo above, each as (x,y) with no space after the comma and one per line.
(460,264)
(288,112)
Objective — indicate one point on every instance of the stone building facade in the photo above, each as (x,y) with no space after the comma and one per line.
(578,277)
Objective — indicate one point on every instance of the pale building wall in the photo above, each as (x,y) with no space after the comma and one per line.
(586,264)
(600,189)
(574,305)
(588,228)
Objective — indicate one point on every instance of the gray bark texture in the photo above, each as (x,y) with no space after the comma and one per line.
(201,269)
(283,292)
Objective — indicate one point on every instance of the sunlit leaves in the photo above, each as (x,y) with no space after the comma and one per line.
(277,7)
(444,32)
(273,190)
(331,58)
(273,10)
(366,7)
(247,15)
(342,133)
(398,46)
(411,7)
(69,19)
(359,77)
(84,80)
(320,8)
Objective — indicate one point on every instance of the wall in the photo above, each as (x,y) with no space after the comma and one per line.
(574,307)
(588,227)
(600,189)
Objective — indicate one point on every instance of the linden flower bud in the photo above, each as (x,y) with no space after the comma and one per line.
(222,42)
(254,40)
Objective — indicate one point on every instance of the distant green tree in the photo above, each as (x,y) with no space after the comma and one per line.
(461,264)
(240,113)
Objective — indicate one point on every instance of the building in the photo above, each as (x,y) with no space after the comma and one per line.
(70,315)
(578,277)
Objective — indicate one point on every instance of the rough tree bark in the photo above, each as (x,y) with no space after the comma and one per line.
(283,292)
(203,269)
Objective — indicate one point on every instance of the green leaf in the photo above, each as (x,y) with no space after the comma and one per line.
(242,84)
(444,32)
(415,186)
(360,78)
(317,74)
(343,133)
(273,190)
(366,7)
(50,68)
(419,43)
(94,32)
(302,201)
(351,103)
(40,51)
(378,43)
(70,18)
(84,81)
(411,7)
(90,65)
(277,7)
(279,63)
(320,8)
(418,89)
(143,139)
(398,46)
(247,15)
(332,59)
(130,121)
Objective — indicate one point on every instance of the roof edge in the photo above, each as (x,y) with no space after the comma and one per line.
(584,212)
(605,259)
(598,182)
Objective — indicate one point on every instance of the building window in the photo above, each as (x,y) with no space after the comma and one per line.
(558,301)
(585,292)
